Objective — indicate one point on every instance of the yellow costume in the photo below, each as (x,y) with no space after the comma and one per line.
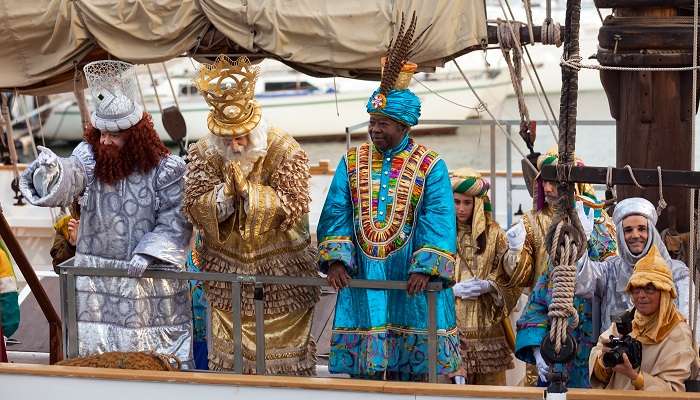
(667,344)
(486,337)
(265,230)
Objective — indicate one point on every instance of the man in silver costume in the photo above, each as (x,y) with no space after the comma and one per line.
(605,281)
(130,219)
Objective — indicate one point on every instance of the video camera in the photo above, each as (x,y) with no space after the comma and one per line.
(623,344)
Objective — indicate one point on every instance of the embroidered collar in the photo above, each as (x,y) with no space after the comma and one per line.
(394,150)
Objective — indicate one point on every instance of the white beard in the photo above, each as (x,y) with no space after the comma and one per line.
(256,148)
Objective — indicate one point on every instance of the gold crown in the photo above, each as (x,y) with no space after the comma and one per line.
(405,75)
(229,88)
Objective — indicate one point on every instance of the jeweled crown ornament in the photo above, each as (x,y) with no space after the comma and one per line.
(114,90)
(229,88)
(392,98)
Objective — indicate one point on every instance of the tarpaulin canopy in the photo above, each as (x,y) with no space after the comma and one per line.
(45,42)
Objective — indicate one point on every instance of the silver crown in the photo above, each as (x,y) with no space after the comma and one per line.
(114,90)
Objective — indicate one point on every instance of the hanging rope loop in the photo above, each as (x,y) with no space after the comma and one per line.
(662,202)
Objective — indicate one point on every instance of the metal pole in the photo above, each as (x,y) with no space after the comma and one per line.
(72,317)
(259,330)
(509,183)
(237,326)
(492,142)
(432,336)
(347,138)
(3,349)
(63,290)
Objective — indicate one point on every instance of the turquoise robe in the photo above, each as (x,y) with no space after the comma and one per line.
(388,215)
(533,324)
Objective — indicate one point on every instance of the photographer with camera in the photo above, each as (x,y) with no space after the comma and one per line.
(650,347)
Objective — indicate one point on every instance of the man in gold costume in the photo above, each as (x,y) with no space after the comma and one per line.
(527,263)
(483,301)
(246,190)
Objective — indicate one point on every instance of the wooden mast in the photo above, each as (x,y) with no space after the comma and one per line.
(653,109)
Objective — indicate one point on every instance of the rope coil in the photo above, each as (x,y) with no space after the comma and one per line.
(563,279)
(551,33)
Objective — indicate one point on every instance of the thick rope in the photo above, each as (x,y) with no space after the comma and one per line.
(576,64)
(692,241)
(565,249)
(634,179)
(528,15)
(527,70)
(563,280)
(551,33)
(514,62)
(662,202)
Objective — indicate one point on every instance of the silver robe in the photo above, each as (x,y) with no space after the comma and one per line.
(604,282)
(139,214)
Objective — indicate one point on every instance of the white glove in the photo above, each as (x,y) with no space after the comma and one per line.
(587,221)
(542,366)
(138,265)
(46,156)
(516,236)
(46,171)
(471,288)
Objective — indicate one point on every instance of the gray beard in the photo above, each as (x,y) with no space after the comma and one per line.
(246,158)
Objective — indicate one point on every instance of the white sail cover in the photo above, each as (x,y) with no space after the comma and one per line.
(43,40)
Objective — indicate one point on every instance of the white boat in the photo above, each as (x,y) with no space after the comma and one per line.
(300,104)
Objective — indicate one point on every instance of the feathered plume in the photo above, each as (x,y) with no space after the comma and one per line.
(398,52)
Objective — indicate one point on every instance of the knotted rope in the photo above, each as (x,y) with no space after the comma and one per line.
(509,39)
(563,280)
(551,33)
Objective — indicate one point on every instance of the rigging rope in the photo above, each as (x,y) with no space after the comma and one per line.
(527,70)
(493,118)
(563,279)
(477,108)
(566,241)
(514,63)
(662,202)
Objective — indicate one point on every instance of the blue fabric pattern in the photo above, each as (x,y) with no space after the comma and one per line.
(401,105)
(386,330)
(533,324)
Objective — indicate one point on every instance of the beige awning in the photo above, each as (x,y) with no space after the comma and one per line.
(44,42)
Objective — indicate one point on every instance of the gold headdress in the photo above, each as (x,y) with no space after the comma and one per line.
(393,99)
(229,89)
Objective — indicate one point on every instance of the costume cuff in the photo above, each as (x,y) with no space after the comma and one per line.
(599,370)
(337,248)
(638,382)
(434,263)
(526,339)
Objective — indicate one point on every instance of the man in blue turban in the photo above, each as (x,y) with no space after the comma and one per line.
(389,215)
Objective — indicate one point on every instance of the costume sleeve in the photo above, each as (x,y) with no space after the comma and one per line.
(520,265)
(202,182)
(281,205)
(508,295)
(171,234)
(75,173)
(672,366)
(9,305)
(435,227)
(533,324)
(598,381)
(335,227)
(681,277)
(591,275)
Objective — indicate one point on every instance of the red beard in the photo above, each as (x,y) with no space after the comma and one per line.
(142,151)
(111,164)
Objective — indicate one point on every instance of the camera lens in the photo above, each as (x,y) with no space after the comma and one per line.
(612,358)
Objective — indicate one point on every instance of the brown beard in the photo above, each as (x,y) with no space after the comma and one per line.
(142,151)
